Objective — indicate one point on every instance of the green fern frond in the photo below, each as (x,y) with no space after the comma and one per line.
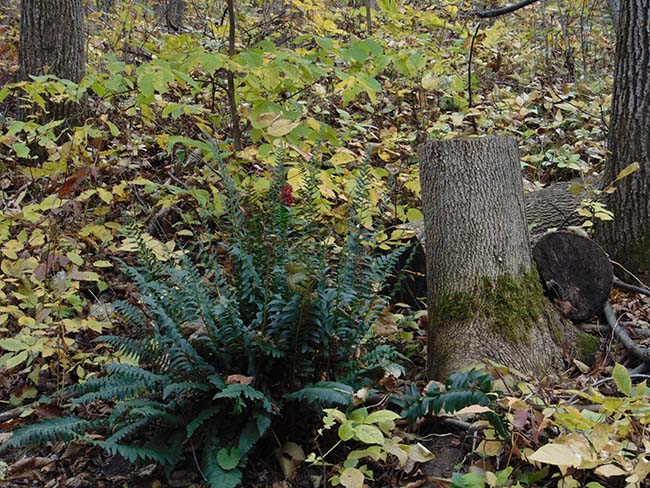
(238,390)
(201,418)
(135,453)
(129,429)
(324,393)
(183,389)
(58,429)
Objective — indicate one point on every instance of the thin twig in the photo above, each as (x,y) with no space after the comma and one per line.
(469,68)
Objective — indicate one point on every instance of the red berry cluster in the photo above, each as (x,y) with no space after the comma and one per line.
(287,195)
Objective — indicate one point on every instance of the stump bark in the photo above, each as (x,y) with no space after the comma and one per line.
(485,299)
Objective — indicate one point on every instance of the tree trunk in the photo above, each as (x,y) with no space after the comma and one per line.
(52,39)
(52,42)
(172,13)
(484,297)
(627,238)
(614,11)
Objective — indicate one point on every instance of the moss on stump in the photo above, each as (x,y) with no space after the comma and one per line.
(511,305)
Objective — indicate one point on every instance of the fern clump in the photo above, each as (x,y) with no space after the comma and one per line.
(266,313)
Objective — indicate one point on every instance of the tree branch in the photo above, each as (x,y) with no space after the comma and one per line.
(486,14)
(638,351)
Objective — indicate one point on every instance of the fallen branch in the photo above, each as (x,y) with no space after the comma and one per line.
(11,414)
(486,14)
(633,288)
(640,352)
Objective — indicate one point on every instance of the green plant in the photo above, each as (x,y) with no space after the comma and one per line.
(462,389)
(269,309)
(374,431)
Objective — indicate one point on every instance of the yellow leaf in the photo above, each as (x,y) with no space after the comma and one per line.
(265,119)
(603,216)
(429,81)
(106,196)
(102,264)
(420,454)
(627,171)
(414,215)
(343,156)
(351,478)
(281,127)
(556,455)
(609,470)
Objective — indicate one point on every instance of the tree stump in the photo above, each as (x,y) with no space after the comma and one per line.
(485,299)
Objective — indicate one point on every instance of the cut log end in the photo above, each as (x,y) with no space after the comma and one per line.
(576,271)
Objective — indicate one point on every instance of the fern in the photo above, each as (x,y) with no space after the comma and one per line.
(327,392)
(270,300)
(461,390)
(61,429)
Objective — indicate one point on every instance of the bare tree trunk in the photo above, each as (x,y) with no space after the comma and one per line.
(627,238)
(52,42)
(52,39)
(171,13)
(614,11)
(484,297)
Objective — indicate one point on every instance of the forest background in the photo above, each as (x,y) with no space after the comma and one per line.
(178,118)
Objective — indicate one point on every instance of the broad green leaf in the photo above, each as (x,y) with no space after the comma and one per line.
(346,430)
(14,361)
(75,258)
(381,416)
(12,345)
(622,379)
(414,215)
(21,150)
(369,434)
(228,458)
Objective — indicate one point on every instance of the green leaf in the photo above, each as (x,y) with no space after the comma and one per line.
(21,150)
(622,379)
(414,215)
(369,434)
(12,345)
(346,430)
(381,416)
(228,457)
(12,362)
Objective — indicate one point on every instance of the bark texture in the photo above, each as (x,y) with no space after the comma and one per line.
(484,297)
(627,239)
(52,39)
(172,13)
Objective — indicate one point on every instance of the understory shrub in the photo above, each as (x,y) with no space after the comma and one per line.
(271,310)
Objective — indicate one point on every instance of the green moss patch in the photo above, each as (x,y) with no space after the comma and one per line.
(586,347)
(512,305)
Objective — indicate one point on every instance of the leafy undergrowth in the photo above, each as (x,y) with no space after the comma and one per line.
(316,84)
